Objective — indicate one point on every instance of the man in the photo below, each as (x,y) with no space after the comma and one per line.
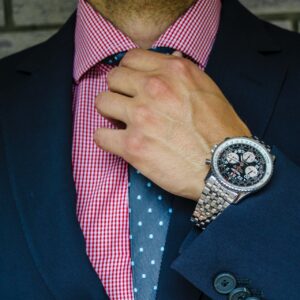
(82,123)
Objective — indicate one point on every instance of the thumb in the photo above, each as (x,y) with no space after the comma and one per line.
(177,53)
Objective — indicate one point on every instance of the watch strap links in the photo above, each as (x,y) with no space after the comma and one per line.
(213,200)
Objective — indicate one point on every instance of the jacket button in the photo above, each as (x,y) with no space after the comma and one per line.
(240,293)
(224,283)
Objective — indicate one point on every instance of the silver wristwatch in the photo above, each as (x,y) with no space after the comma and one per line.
(239,166)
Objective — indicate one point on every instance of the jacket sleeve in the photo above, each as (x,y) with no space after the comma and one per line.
(256,241)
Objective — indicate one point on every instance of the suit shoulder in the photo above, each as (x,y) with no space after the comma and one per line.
(15,71)
(9,64)
(288,40)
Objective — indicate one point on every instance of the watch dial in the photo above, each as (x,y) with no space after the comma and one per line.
(241,165)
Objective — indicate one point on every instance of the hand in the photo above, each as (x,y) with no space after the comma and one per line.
(173,113)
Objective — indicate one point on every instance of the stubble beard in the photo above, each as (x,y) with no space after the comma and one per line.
(160,12)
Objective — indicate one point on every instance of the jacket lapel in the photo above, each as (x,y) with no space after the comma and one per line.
(38,137)
(249,68)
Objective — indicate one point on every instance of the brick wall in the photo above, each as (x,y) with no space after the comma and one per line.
(27,22)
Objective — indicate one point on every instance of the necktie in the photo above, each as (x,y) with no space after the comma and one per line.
(149,214)
(150,210)
(116,58)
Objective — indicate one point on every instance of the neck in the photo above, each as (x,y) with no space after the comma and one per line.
(141,20)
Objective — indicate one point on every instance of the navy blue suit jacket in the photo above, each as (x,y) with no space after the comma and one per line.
(42,251)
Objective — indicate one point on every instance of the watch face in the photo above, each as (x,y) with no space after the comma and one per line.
(242,164)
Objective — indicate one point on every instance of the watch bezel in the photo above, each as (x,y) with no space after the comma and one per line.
(248,141)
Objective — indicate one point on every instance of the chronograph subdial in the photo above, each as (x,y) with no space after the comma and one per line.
(233,158)
(251,172)
(249,157)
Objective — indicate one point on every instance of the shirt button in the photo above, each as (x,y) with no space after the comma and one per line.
(224,283)
(240,293)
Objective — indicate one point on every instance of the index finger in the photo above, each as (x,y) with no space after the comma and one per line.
(143,60)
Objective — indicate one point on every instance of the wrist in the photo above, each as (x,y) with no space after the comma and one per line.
(198,185)
(199,181)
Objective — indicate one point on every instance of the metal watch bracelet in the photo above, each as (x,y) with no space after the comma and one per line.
(214,199)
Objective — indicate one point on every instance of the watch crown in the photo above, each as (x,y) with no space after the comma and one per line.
(273,158)
(208,161)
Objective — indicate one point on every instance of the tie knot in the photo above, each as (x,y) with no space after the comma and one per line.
(115,59)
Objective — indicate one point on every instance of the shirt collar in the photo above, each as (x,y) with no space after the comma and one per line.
(96,38)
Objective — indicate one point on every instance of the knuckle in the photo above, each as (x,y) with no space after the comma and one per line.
(156,86)
(179,66)
(141,114)
(134,145)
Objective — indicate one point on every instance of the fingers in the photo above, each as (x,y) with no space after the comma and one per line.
(113,106)
(111,140)
(125,81)
(144,60)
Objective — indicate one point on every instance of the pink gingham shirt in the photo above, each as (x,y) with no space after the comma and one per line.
(101,178)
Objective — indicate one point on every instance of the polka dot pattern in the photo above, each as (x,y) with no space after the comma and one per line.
(150,212)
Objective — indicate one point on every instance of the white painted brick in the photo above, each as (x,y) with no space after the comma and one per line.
(286,24)
(37,12)
(14,42)
(1,13)
(272,6)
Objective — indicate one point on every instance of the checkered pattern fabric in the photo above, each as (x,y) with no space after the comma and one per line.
(101,178)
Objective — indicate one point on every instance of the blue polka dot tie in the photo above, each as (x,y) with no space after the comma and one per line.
(116,58)
(150,211)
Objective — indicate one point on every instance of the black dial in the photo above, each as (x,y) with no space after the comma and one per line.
(241,165)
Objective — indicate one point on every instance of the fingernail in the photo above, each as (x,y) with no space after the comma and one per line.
(177,53)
